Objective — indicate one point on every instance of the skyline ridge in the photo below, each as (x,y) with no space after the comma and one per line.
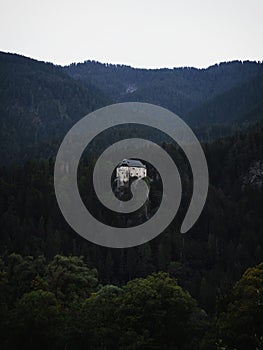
(90,60)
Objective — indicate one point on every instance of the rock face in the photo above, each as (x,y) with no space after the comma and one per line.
(131,88)
(254,176)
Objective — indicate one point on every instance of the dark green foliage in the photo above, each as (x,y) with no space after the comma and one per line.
(206,261)
(51,295)
(34,321)
(100,327)
(70,279)
(147,313)
(38,103)
(239,321)
(240,325)
(157,313)
(40,299)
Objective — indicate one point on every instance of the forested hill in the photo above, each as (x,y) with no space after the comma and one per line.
(179,89)
(38,102)
(241,103)
(59,291)
(207,261)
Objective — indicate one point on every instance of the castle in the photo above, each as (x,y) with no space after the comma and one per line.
(129,169)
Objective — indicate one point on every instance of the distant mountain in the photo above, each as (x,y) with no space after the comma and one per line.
(240,103)
(38,103)
(180,89)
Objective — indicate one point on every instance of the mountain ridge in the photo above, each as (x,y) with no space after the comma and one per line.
(39,101)
(182,82)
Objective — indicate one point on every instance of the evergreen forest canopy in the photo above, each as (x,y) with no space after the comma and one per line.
(39,101)
(202,290)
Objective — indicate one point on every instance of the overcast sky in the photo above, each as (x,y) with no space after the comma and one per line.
(140,33)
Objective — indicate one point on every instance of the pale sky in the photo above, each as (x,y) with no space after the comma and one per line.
(140,33)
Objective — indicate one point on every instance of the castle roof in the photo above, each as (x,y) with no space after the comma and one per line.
(131,163)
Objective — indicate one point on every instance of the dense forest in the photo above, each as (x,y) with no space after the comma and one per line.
(38,104)
(39,101)
(61,305)
(223,93)
(202,290)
